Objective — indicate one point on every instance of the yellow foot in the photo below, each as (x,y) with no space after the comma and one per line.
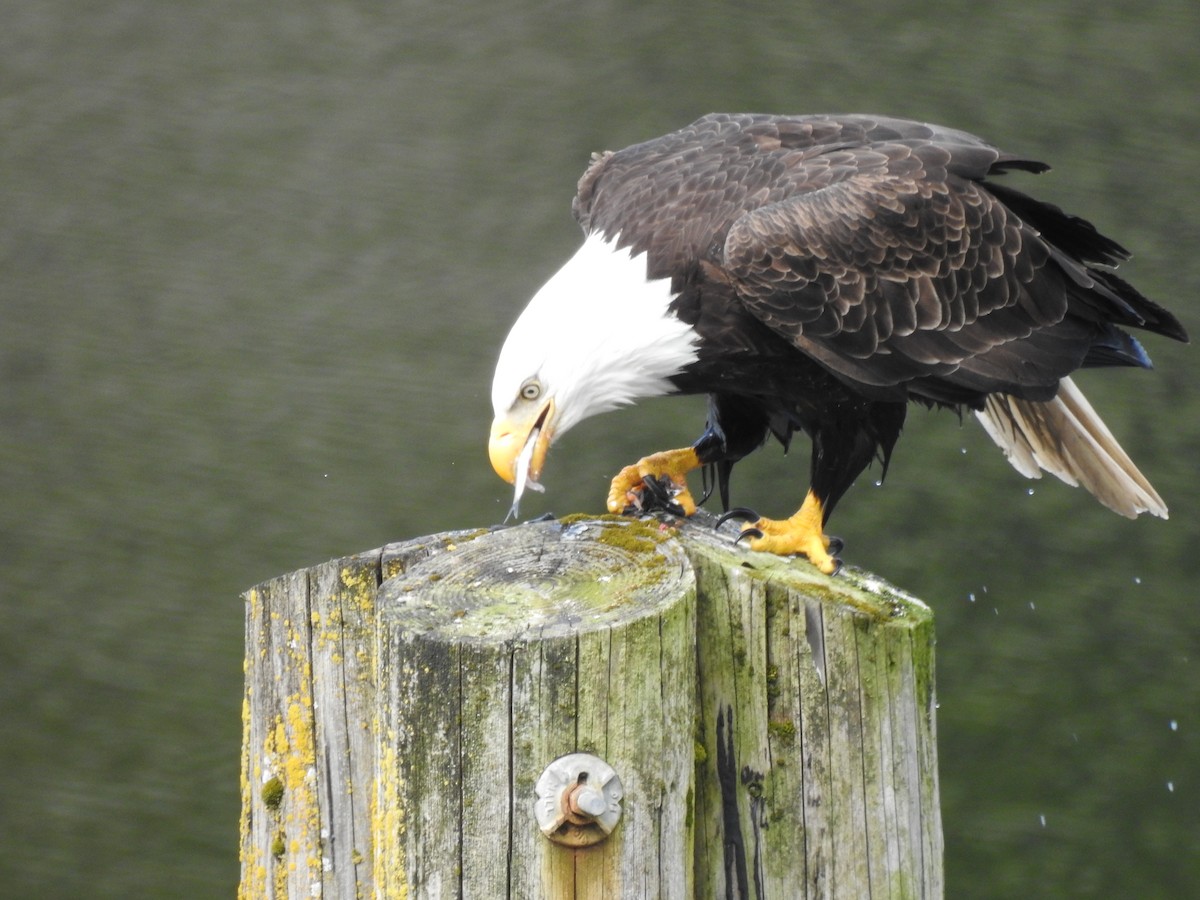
(627,488)
(802,533)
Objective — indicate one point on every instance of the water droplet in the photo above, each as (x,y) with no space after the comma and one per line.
(1029,491)
(1137,579)
(964,449)
(1032,605)
(1042,818)
(1174,725)
(879,483)
(971,596)
(1171,786)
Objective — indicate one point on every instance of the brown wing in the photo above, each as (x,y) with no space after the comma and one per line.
(876,246)
(672,195)
(908,266)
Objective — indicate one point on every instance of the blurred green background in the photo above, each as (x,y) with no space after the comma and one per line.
(257,260)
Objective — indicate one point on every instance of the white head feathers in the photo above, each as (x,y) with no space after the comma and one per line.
(598,335)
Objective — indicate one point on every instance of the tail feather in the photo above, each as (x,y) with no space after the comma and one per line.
(1066,438)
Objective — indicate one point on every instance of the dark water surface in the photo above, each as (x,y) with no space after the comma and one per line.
(257,260)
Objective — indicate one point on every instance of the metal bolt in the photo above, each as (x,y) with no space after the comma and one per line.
(578,800)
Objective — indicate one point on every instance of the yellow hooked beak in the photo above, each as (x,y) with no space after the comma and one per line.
(510,435)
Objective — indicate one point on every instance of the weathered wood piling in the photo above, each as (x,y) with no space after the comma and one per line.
(761,730)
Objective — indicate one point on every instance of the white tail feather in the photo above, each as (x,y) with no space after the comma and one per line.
(1066,438)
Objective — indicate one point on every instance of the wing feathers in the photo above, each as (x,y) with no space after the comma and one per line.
(883,248)
(1066,438)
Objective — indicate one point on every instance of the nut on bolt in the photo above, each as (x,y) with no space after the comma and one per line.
(578,800)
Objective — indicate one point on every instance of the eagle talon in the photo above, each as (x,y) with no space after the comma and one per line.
(799,535)
(656,482)
(836,545)
(738,512)
(658,494)
(658,488)
(751,532)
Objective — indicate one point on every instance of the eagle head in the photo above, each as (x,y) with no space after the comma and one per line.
(598,335)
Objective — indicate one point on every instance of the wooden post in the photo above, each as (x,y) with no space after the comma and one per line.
(771,729)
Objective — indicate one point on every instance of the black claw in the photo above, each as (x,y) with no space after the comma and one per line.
(748,533)
(738,512)
(656,488)
(707,482)
(836,546)
(837,566)
(657,495)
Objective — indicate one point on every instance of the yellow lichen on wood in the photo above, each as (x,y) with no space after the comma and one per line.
(289,755)
(254,869)
(360,586)
(387,824)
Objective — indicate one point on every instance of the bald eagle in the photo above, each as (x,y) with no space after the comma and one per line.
(816,274)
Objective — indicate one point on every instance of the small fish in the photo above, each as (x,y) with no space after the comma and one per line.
(523,480)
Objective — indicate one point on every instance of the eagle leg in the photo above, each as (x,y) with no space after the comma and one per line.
(803,533)
(629,486)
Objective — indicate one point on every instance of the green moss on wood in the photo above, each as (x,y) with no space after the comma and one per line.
(772,682)
(272,793)
(623,532)
(783,730)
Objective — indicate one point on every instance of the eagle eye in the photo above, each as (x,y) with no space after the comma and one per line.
(531,390)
